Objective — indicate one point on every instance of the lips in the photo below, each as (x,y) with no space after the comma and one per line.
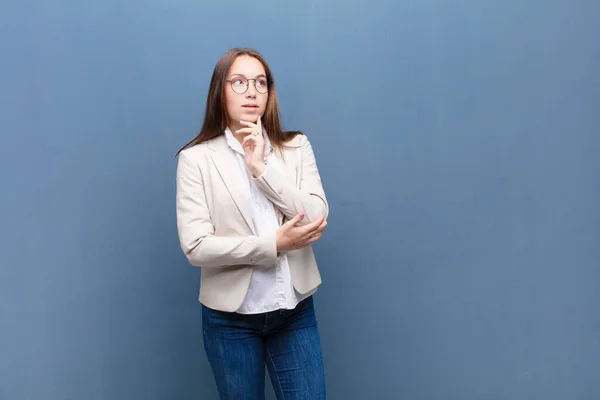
(250,106)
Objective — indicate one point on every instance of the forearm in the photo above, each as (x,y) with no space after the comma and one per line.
(289,199)
(214,251)
(198,239)
(292,197)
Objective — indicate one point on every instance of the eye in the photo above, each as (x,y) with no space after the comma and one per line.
(238,81)
(262,82)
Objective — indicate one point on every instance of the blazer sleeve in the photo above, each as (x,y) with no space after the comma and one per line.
(196,230)
(309,198)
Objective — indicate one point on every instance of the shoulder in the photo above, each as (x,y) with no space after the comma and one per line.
(193,153)
(296,139)
(200,151)
(298,148)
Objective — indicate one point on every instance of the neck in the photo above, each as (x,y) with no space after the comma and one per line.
(234,126)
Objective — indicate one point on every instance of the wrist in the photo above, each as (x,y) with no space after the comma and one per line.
(257,169)
(279,243)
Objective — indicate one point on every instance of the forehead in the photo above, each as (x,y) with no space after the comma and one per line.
(247,66)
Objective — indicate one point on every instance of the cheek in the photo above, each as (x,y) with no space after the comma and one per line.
(230,103)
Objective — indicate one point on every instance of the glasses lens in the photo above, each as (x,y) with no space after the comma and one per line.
(261,85)
(239,85)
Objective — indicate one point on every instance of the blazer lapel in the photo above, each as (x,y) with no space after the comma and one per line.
(225,163)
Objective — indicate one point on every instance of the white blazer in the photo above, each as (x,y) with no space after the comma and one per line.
(214,219)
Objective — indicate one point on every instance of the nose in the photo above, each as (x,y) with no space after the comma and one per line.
(251,92)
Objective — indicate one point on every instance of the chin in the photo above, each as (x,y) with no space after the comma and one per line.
(251,116)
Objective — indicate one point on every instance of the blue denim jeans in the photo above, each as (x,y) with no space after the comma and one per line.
(238,346)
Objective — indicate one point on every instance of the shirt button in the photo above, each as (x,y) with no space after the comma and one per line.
(253,261)
(280,191)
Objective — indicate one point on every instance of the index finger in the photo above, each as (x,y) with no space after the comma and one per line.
(247,123)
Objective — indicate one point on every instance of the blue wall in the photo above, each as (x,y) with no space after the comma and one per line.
(458,144)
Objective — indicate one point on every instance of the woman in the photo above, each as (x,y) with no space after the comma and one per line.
(249,205)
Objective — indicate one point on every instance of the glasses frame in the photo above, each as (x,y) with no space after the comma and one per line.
(230,81)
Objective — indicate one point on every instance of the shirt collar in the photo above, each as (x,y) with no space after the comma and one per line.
(237,146)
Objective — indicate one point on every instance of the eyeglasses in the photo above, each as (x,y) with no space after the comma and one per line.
(240,85)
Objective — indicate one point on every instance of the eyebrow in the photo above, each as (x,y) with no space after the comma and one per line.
(244,76)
